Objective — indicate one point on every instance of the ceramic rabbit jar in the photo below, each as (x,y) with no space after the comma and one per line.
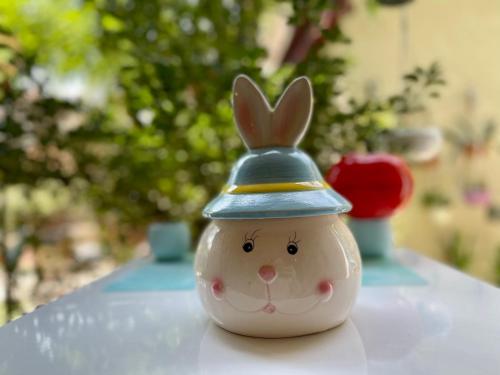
(276,260)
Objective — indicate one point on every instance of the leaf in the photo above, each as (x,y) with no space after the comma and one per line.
(111,23)
(335,35)
(411,77)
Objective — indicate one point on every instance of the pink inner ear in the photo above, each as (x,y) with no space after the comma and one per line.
(280,130)
(245,119)
(292,114)
(283,130)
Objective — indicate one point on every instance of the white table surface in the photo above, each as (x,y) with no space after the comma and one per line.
(450,326)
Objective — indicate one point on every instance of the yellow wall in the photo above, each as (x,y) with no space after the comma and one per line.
(464,37)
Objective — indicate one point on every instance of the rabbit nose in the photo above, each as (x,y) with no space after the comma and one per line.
(267,274)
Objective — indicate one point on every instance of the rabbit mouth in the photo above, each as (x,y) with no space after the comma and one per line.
(270,308)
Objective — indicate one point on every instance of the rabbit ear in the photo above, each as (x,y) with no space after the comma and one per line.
(292,113)
(251,112)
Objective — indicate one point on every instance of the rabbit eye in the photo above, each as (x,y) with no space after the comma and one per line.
(293,244)
(247,246)
(292,248)
(249,241)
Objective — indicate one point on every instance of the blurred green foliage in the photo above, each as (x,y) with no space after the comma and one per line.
(497,266)
(457,251)
(160,141)
(434,199)
(126,104)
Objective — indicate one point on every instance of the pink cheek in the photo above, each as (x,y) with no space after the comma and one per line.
(217,288)
(325,289)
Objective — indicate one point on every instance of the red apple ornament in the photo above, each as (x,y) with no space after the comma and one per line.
(376,185)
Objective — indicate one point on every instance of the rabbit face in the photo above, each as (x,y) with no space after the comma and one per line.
(278,277)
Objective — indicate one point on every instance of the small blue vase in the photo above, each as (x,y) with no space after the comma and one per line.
(374,236)
(169,241)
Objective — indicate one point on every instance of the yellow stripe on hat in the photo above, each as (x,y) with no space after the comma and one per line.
(275,187)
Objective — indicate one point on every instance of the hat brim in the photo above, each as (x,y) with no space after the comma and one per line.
(277,205)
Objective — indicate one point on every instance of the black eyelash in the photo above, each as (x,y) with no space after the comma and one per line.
(293,244)
(249,242)
(295,241)
(252,236)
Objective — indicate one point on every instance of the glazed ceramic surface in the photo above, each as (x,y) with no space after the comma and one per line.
(277,261)
(273,167)
(373,236)
(377,185)
(278,277)
(169,241)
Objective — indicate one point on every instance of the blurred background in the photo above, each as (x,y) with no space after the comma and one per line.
(116,114)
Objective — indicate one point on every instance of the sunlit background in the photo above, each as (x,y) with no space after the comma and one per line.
(116,114)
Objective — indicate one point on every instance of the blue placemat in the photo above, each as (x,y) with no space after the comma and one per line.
(389,272)
(152,276)
(155,276)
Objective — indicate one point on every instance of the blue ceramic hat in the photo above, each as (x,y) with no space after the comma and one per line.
(274,179)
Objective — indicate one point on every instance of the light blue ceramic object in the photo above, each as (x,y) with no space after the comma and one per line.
(274,179)
(374,236)
(255,188)
(167,276)
(276,260)
(169,241)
